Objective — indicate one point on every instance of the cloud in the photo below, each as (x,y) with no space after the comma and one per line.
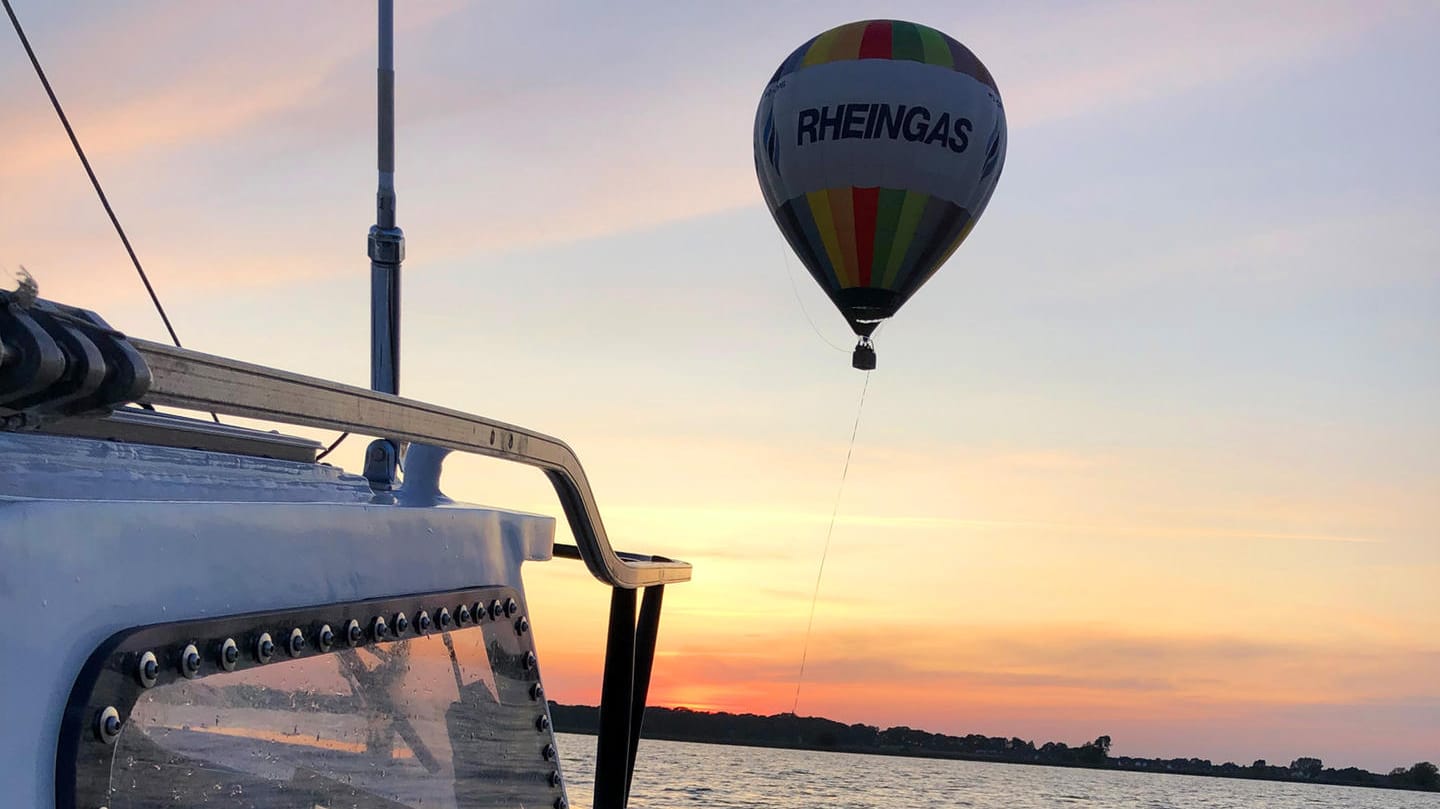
(496,157)
(774,520)
(289,68)
(1347,250)
(204,130)
(1073,665)
(1098,58)
(1216,695)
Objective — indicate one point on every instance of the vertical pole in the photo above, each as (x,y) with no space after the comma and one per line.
(612,751)
(647,630)
(387,251)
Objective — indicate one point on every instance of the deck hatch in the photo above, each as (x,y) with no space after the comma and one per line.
(435,719)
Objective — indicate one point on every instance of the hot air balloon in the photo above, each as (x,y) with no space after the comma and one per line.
(877,146)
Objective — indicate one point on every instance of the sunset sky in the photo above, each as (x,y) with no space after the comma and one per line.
(1156,455)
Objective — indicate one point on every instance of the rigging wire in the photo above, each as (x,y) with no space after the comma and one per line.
(94,181)
(331,448)
(815,596)
(790,274)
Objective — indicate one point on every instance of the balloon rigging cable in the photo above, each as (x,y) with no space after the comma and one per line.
(790,274)
(825,552)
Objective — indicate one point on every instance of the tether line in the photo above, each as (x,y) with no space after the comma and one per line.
(820,574)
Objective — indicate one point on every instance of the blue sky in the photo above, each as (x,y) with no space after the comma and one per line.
(1177,392)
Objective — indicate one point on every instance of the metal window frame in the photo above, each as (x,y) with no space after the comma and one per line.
(110,683)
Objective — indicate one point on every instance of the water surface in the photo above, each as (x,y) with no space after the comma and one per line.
(678,774)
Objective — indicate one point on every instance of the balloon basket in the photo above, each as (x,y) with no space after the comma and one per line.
(864,357)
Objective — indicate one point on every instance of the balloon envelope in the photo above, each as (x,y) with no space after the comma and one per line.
(877,146)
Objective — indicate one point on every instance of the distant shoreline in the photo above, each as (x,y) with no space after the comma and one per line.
(824,735)
(984,760)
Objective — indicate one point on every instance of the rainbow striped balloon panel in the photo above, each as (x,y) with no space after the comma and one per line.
(878,145)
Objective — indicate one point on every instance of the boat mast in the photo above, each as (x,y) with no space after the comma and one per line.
(387,251)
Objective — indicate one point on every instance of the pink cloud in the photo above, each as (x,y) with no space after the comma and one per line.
(1097,58)
(1216,696)
(653,151)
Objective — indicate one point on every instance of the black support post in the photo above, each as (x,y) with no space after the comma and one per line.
(645,634)
(612,754)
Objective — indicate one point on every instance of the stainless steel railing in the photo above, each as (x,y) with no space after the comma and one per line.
(60,363)
(198,381)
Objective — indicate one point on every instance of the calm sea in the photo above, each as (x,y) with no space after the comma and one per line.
(677,774)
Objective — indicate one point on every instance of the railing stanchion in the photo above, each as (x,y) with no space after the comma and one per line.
(612,753)
(646,632)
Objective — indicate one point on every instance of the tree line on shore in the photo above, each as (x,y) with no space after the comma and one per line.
(817,733)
